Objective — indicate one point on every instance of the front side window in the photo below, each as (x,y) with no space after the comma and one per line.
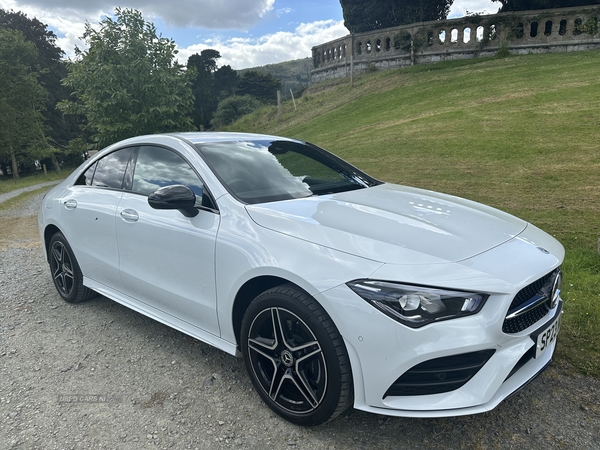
(264,171)
(157,167)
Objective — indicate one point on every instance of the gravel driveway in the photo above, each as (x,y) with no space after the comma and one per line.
(98,375)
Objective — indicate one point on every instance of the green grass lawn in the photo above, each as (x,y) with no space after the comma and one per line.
(7,185)
(521,134)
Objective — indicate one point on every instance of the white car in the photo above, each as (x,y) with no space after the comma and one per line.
(338,289)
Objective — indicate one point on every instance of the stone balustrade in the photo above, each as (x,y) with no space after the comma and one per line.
(543,31)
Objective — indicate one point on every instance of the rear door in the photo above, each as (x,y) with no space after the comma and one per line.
(88,210)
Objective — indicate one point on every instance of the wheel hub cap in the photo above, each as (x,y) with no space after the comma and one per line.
(286,358)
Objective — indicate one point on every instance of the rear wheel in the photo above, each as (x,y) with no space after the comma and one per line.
(66,273)
(296,357)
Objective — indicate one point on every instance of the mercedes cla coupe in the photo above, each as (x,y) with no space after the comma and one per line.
(337,289)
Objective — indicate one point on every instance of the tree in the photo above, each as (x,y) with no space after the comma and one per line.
(51,70)
(128,82)
(367,15)
(202,68)
(232,108)
(527,5)
(21,100)
(226,80)
(261,86)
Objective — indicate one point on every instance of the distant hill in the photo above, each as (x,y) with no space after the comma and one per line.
(294,75)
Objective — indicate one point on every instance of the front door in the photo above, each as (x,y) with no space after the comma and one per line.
(167,259)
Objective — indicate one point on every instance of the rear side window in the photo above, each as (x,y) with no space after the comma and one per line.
(157,167)
(88,175)
(110,170)
(113,168)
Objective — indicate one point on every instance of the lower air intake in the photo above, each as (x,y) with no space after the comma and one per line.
(439,375)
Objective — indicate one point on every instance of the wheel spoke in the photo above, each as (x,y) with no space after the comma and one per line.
(57,272)
(278,330)
(302,376)
(57,253)
(304,348)
(316,351)
(261,349)
(291,377)
(62,280)
(279,378)
(68,271)
(282,332)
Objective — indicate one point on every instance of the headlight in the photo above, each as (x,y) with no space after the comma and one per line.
(417,306)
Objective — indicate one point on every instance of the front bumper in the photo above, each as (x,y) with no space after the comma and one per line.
(381,350)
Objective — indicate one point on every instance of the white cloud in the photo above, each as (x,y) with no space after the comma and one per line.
(215,14)
(282,11)
(68,17)
(241,53)
(461,7)
(69,24)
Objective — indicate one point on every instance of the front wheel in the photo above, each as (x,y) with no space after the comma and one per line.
(66,273)
(295,357)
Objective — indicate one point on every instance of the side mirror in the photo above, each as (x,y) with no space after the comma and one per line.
(174,197)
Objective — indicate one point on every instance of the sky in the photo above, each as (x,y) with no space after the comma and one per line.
(247,33)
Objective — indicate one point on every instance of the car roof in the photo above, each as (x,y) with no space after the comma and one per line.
(204,137)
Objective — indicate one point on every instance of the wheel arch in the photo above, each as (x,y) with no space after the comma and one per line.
(49,231)
(248,292)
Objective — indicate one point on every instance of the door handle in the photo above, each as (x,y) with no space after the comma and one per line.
(70,204)
(129,215)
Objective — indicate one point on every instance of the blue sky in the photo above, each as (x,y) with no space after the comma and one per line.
(286,15)
(247,33)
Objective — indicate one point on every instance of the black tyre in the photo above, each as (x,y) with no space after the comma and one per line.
(66,273)
(296,357)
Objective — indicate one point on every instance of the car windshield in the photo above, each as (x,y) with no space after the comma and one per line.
(265,171)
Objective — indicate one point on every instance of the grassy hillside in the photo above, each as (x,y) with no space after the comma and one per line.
(294,75)
(521,134)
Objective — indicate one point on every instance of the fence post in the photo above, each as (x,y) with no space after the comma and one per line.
(278,105)
(293,99)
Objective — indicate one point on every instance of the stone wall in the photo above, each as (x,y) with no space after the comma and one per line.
(543,31)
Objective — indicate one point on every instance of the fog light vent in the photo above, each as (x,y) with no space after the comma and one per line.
(439,375)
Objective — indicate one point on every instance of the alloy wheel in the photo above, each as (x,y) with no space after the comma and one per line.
(287,360)
(62,268)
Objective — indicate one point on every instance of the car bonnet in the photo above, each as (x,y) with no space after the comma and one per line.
(392,224)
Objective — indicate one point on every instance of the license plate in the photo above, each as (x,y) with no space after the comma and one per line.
(548,336)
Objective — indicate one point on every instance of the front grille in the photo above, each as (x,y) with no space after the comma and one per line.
(542,285)
(520,323)
(439,375)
